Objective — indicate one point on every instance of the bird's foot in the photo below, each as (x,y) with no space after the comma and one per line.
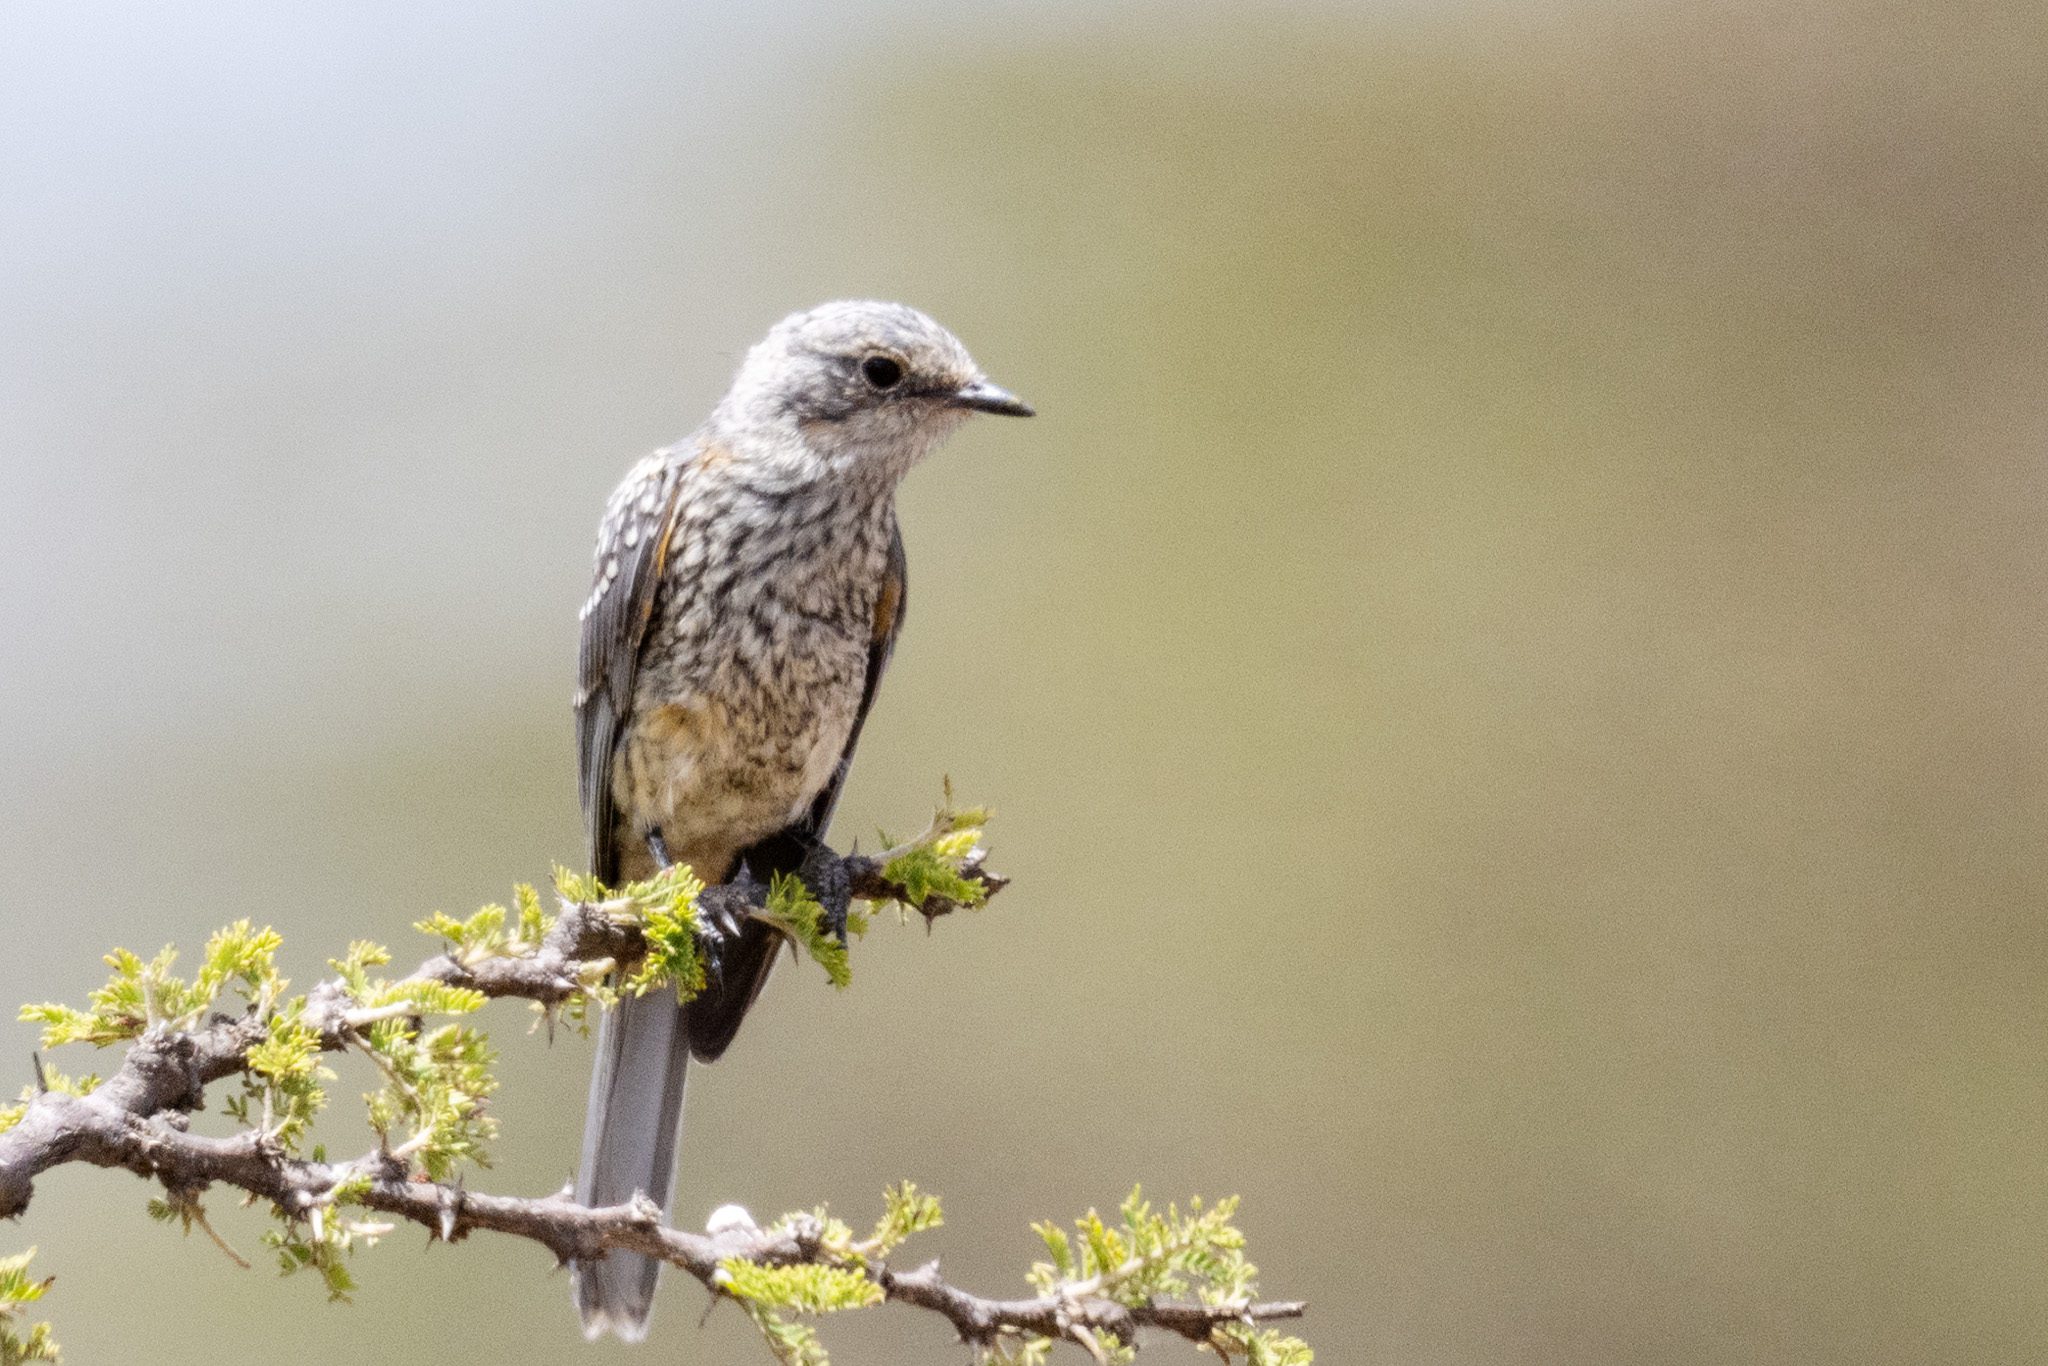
(722,913)
(824,872)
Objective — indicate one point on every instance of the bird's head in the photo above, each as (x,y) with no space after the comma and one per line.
(866,388)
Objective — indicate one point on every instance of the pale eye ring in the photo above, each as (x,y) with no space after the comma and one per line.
(882,372)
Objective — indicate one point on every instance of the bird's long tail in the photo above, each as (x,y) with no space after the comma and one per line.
(629,1147)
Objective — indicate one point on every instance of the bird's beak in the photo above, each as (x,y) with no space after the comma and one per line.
(984,397)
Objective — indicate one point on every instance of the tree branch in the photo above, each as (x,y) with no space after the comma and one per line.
(158,1147)
(138,1121)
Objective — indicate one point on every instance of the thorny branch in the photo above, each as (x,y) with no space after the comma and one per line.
(138,1120)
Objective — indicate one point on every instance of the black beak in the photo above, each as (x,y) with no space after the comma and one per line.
(984,397)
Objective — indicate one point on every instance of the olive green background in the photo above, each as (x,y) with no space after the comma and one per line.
(1509,665)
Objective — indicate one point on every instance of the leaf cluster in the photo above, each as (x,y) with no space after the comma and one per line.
(22,1342)
(493,932)
(933,868)
(1143,1255)
(436,1076)
(326,1237)
(1148,1254)
(142,994)
(665,908)
(793,910)
(841,1279)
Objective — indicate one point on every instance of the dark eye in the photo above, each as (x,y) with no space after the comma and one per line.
(881,371)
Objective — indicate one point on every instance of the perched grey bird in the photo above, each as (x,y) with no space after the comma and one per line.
(749,588)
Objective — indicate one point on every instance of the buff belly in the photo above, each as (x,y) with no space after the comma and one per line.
(714,778)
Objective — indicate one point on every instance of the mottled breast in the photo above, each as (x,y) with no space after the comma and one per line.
(751,672)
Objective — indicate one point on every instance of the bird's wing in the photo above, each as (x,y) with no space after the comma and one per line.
(633,546)
(636,1090)
(715,1014)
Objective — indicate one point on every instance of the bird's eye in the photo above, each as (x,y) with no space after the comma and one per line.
(881,371)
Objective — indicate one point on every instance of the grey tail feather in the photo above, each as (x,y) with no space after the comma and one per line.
(629,1147)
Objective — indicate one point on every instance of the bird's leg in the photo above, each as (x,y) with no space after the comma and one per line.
(658,847)
(824,872)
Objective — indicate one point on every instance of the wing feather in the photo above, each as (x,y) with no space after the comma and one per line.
(633,546)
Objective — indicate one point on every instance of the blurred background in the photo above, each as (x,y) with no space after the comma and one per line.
(1509,665)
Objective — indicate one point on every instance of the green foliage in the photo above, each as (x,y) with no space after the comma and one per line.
(580,888)
(141,994)
(770,1293)
(906,1211)
(923,872)
(1261,1346)
(354,966)
(803,1289)
(241,957)
(407,996)
(63,1024)
(436,1078)
(322,1240)
(1142,1255)
(1147,1254)
(665,907)
(793,909)
(839,1280)
(493,932)
(933,866)
(534,923)
(794,1344)
(435,1084)
(21,1343)
(281,1093)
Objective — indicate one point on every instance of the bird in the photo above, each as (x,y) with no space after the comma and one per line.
(748,588)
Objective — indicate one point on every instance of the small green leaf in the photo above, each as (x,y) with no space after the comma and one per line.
(906,1211)
(578,888)
(62,1024)
(665,908)
(1057,1243)
(19,1343)
(792,907)
(806,1288)
(924,873)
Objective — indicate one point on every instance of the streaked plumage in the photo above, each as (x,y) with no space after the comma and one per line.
(748,588)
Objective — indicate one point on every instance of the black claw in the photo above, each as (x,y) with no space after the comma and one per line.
(712,947)
(713,934)
(719,927)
